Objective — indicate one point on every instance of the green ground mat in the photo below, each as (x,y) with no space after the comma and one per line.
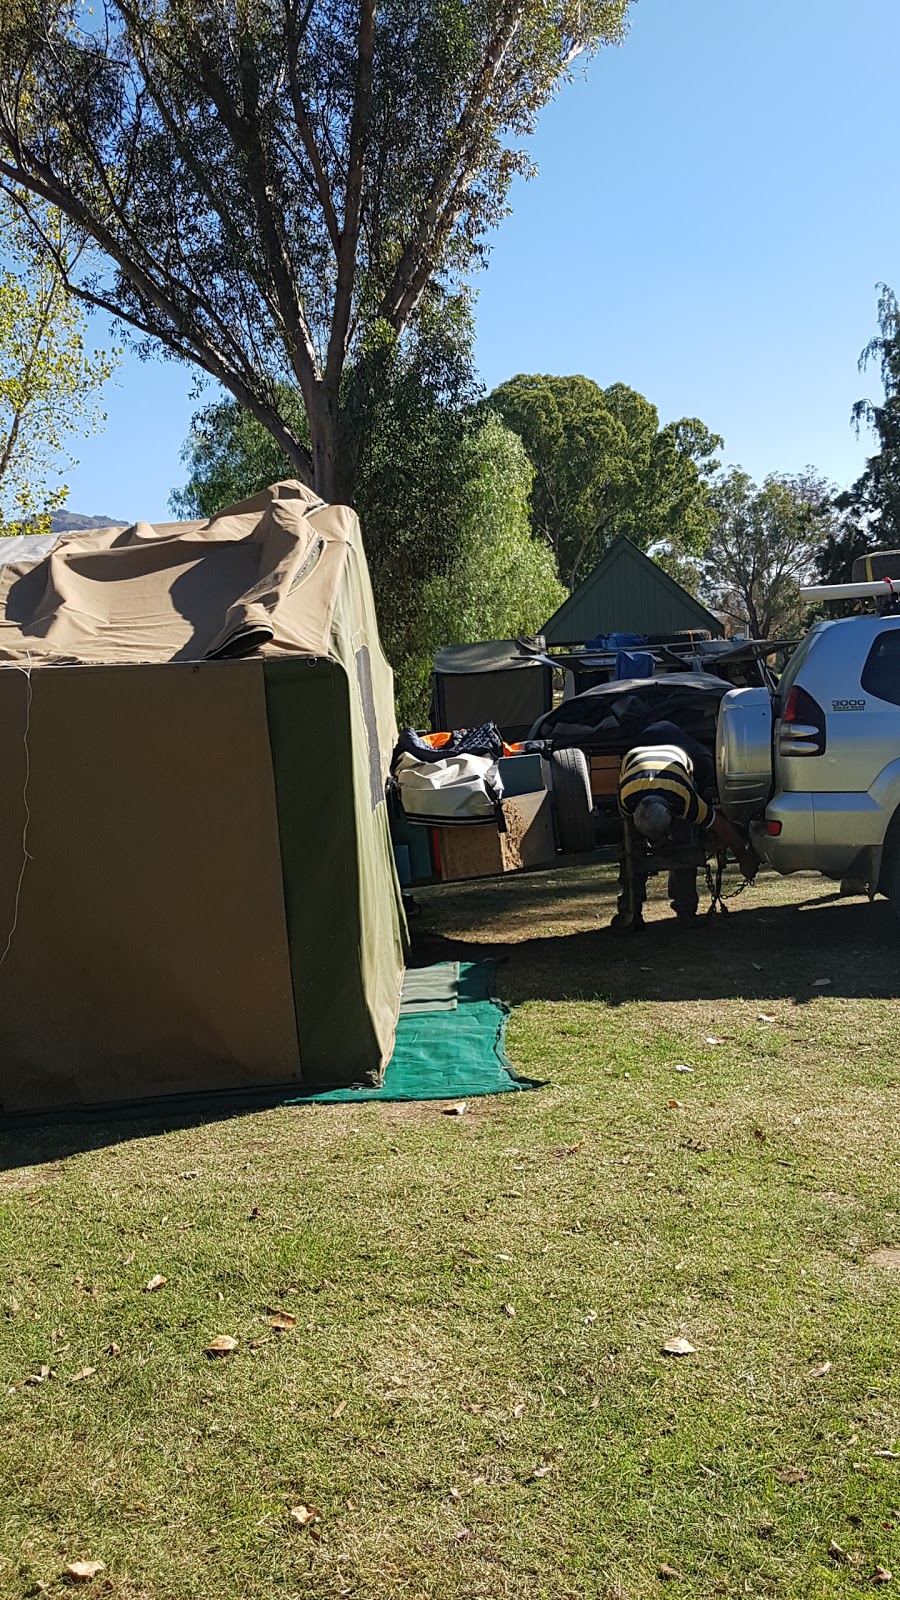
(445,1054)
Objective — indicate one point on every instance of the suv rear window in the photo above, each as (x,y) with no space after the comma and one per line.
(881,673)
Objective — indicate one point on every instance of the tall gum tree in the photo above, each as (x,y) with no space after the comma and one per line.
(274,185)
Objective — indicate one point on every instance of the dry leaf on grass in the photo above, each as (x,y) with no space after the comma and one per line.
(309,1519)
(756,966)
(222,1345)
(519,1409)
(39,1377)
(85,1571)
(666,1572)
(590,1319)
(541,1472)
(12,1309)
(793,1475)
(821,983)
(156,1282)
(820,1371)
(711,1039)
(508,1310)
(457,1110)
(282,1321)
(194,1173)
(881,1575)
(764,1016)
(677,1105)
(113,1349)
(83,1372)
(887,1455)
(681,1066)
(678,1347)
(338,1411)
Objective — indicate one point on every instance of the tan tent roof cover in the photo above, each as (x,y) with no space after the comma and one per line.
(261,577)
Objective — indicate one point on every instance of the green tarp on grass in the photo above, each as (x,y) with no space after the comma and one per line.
(445,1054)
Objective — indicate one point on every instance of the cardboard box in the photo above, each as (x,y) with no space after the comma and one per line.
(479,850)
(605,774)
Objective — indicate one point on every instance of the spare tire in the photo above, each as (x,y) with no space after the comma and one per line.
(572,801)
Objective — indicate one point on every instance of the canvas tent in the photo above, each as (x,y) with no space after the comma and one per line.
(197,888)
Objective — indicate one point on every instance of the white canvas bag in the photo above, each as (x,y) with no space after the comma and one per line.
(461,789)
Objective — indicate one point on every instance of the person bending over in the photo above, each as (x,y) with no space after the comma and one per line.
(659,800)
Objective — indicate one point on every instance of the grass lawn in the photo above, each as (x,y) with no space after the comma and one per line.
(474,1398)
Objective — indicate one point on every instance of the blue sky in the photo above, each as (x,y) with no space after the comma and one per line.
(716,202)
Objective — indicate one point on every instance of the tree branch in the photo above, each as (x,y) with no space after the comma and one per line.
(188,346)
(247,135)
(461,144)
(353,194)
(304,125)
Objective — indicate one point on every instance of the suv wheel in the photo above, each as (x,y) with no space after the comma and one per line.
(572,801)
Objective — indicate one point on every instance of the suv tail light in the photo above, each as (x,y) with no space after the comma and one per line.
(802,726)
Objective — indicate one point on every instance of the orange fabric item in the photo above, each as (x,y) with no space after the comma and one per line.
(439,740)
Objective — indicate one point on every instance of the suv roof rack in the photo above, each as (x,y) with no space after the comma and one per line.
(884,591)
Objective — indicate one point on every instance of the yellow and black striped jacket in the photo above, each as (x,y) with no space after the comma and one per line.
(663,772)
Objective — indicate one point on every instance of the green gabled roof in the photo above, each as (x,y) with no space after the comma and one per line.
(627,592)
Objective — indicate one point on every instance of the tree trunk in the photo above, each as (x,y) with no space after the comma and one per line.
(333,466)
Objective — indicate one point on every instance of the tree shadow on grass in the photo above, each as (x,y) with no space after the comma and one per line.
(766,953)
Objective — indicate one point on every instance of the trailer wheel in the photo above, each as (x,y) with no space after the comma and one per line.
(572,801)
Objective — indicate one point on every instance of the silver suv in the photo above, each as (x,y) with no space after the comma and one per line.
(815,769)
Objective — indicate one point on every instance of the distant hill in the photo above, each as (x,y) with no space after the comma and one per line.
(73,522)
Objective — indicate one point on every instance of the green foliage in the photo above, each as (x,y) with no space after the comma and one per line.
(500,581)
(230,456)
(48,385)
(273,183)
(604,467)
(764,543)
(870,509)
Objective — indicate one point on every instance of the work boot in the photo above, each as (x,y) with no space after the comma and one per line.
(623,924)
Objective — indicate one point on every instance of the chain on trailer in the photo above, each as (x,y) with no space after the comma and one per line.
(717,899)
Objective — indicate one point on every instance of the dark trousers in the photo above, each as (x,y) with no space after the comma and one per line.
(635,867)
